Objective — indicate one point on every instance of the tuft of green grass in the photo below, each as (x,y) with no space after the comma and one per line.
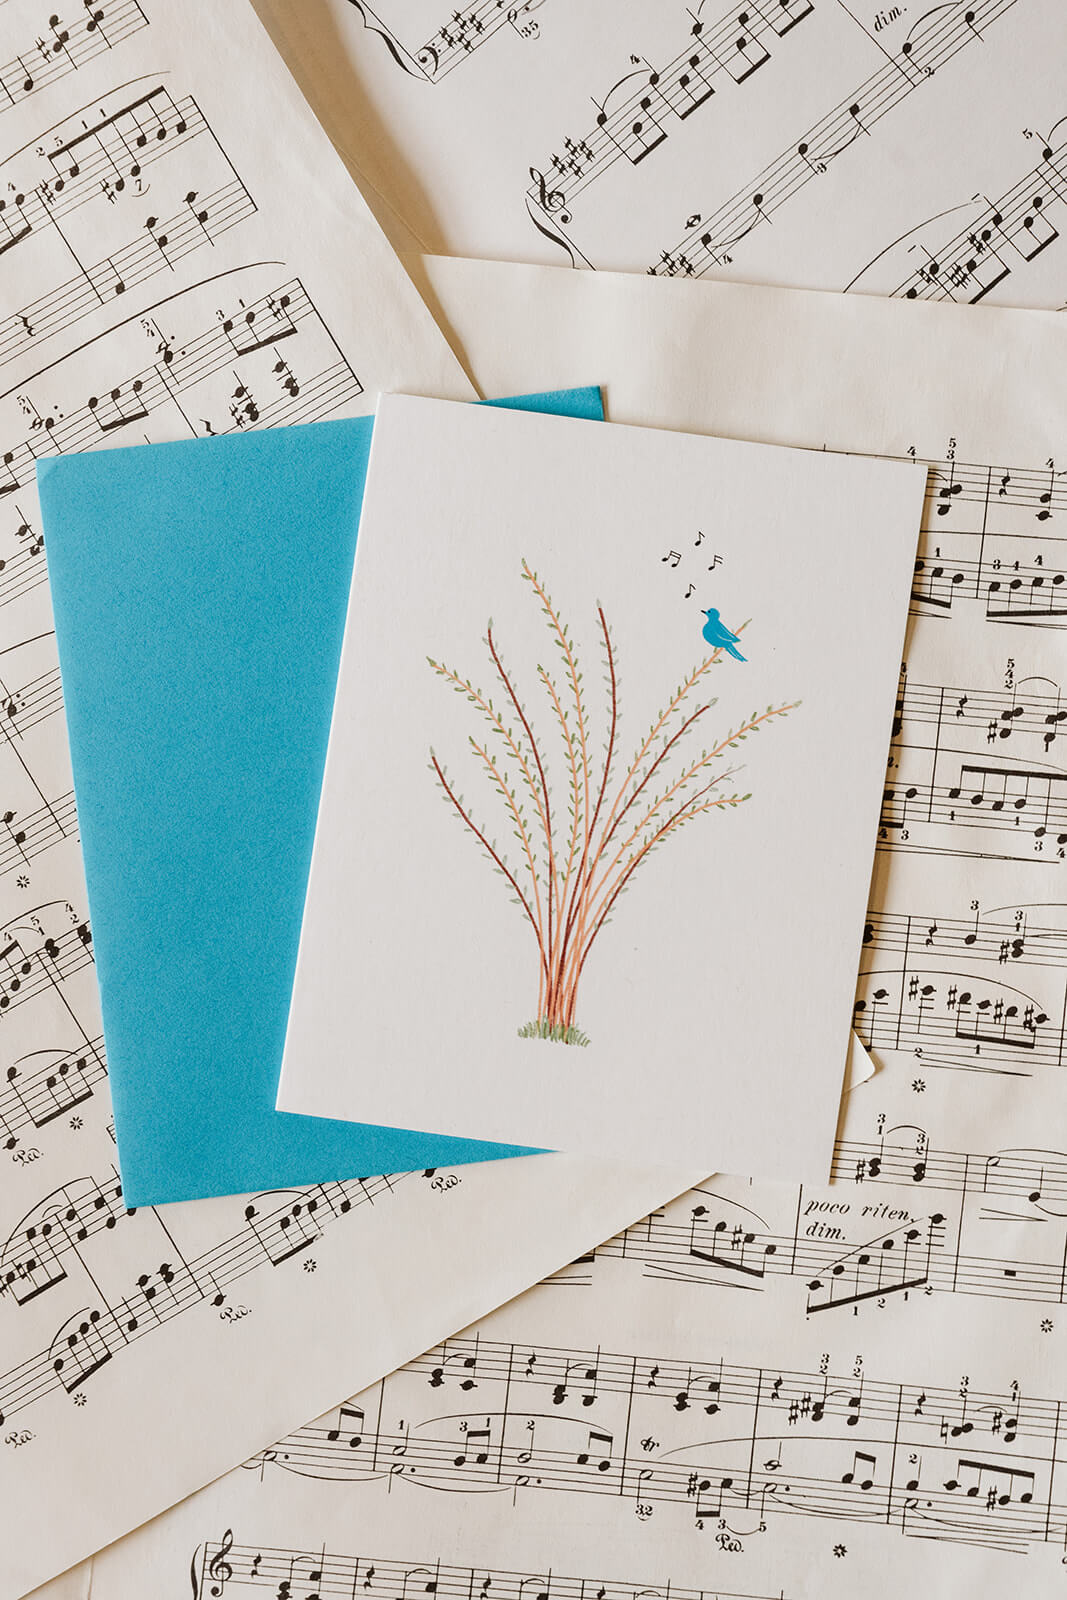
(554,1031)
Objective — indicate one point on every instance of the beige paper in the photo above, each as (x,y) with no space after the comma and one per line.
(817,1392)
(533,1007)
(892,149)
(178,258)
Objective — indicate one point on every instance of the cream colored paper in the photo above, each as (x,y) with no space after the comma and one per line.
(891,1406)
(895,149)
(514,847)
(181,252)
(757,1391)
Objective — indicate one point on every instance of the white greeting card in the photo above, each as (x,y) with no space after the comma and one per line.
(602,789)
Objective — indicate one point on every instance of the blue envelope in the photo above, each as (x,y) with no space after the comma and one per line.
(200,591)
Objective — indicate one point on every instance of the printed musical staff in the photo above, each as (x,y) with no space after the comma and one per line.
(103,166)
(935,1222)
(42,952)
(201,220)
(947,30)
(637,114)
(34,702)
(905,1157)
(31,1260)
(31,963)
(221,1565)
(174,384)
(993,541)
(987,995)
(157,285)
(22,565)
(457,38)
(101,161)
(26,834)
(61,49)
(975,761)
(48,1084)
(1002,238)
(91,1338)
(706,1438)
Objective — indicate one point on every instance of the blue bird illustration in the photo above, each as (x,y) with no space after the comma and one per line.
(719,635)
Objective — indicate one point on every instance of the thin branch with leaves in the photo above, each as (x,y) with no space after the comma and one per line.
(571,870)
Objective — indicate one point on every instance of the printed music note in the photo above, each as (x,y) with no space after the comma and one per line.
(862,1471)
(259,333)
(585,1372)
(525,1456)
(116,410)
(284,1229)
(243,407)
(80,1352)
(1045,499)
(160,239)
(696,87)
(598,1450)
(478,1441)
(466,1363)
(349,1414)
(199,212)
(284,373)
(635,136)
(14,226)
(746,54)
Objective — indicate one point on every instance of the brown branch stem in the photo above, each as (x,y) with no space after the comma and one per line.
(673,821)
(513,807)
(546,808)
(480,836)
(589,858)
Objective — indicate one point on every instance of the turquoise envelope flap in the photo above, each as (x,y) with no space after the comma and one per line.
(200,591)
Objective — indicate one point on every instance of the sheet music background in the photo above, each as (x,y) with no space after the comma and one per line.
(889,1403)
(162,276)
(891,149)
(951,140)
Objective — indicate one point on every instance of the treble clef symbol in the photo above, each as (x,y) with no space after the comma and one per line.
(551,200)
(218,1568)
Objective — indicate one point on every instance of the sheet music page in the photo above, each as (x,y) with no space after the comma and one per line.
(765,1390)
(164,275)
(897,149)
(756,1392)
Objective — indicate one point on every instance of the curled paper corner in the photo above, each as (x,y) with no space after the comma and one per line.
(860,1066)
